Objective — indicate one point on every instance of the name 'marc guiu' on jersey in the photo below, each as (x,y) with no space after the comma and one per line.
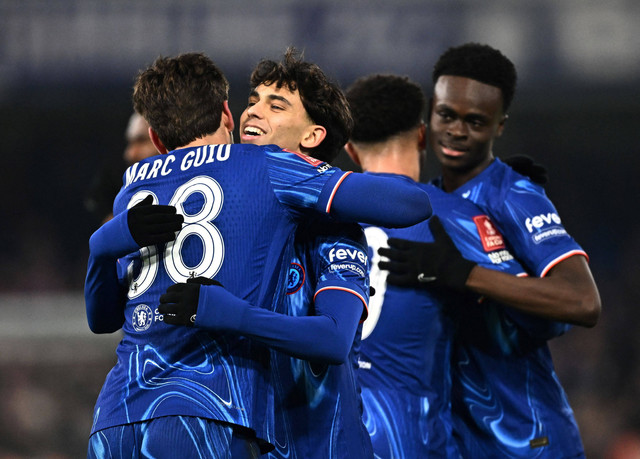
(241,204)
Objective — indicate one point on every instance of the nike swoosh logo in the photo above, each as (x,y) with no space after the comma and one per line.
(423,278)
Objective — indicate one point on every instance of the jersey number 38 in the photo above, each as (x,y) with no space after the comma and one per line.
(198,224)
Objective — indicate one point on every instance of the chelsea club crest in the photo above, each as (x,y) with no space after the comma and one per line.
(142,317)
(295,278)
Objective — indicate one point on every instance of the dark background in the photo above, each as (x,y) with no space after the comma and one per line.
(66,71)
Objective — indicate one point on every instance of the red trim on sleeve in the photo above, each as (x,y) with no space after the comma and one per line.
(365,312)
(333,192)
(562,258)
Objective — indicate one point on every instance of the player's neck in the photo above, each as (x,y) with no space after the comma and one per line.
(453,178)
(221,136)
(395,157)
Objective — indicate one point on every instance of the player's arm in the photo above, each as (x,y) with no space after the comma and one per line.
(301,182)
(104,296)
(392,202)
(325,337)
(567,293)
(563,287)
(142,225)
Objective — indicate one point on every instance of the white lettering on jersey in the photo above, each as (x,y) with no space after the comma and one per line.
(198,157)
(199,224)
(344,254)
(539,221)
(169,160)
(159,165)
(194,158)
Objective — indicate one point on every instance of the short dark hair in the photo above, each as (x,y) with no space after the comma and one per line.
(481,63)
(321,97)
(181,97)
(383,106)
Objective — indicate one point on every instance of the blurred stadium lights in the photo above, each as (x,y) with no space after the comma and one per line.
(573,40)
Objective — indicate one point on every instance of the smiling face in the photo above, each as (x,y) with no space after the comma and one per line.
(466,117)
(276,116)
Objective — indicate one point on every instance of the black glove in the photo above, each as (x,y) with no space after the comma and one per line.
(179,305)
(438,263)
(526,166)
(153,224)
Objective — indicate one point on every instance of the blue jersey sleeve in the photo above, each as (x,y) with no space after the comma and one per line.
(303,182)
(104,297)
(337,259)
(525,215)
(480,241)
(381,200)
(533,227)
(299,180)
(341,262)
(325,337)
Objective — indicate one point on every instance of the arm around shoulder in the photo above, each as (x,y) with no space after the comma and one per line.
(325,337)
(392,202)
(104,296)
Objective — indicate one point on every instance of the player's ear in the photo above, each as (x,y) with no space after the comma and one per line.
(313,136)
(227,117)
(422,136)
(352,151)
(501,125)
(157,142)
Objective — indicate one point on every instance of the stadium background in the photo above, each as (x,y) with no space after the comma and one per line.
(66,70)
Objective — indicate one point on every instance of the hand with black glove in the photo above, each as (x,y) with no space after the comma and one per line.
(526,166)
(153,224)
(413,264)
(179,305)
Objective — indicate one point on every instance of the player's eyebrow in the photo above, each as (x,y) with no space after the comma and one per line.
(273,97)
(473,116)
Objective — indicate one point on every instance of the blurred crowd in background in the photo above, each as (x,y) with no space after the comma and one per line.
(66,70)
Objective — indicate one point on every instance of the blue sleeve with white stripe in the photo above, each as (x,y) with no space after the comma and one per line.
(325,337)
(341,296)
(349,197)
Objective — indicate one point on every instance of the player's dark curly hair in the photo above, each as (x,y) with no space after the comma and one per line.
(321,97)
(481,63)
(181,97)
(383,106)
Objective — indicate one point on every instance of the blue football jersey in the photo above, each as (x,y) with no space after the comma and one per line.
(524,214)
(241,205)
(318,408)
(506,398)
(407,339)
